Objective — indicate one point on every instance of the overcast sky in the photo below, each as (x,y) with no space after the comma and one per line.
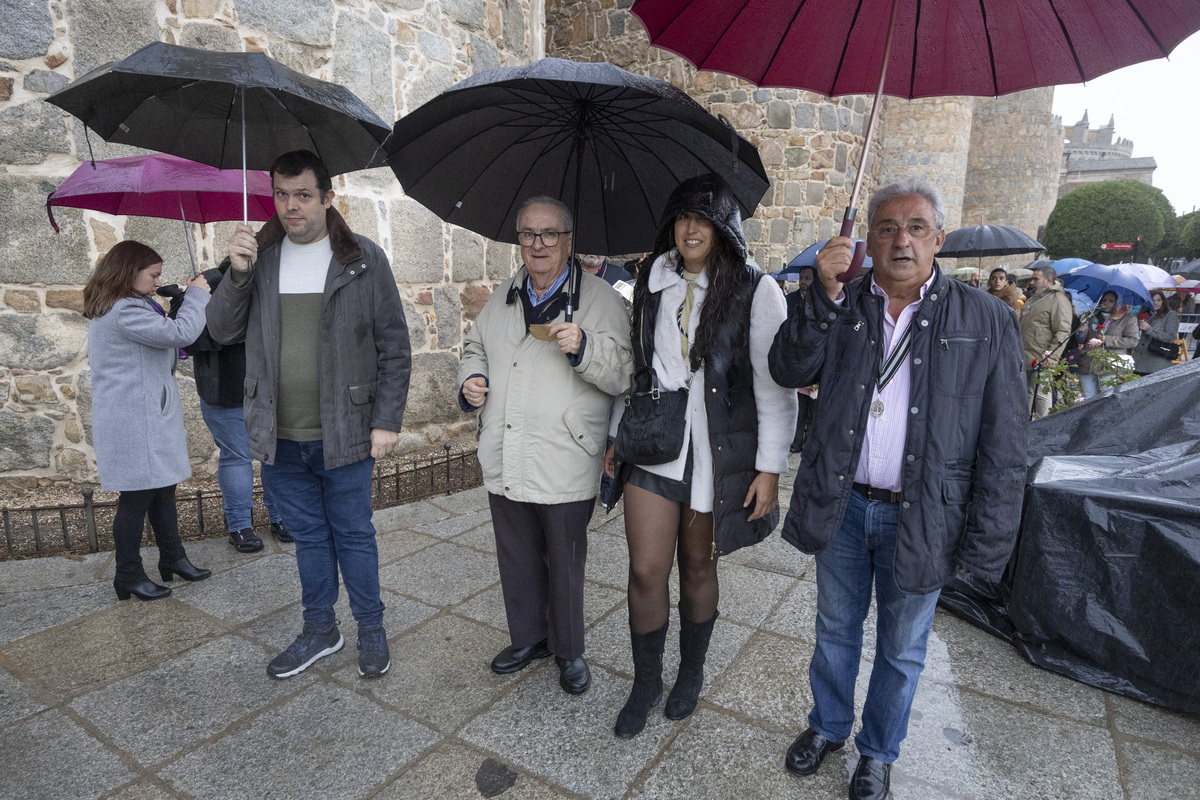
(1155,104)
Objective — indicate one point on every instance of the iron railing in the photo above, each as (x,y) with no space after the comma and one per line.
(87,526)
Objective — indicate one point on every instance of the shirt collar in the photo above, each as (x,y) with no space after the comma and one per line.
(878,290)
(553,290)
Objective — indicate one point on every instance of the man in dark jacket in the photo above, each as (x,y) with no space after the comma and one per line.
(327,366)
(914,469)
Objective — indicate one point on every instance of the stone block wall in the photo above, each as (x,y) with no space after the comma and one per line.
(395,54)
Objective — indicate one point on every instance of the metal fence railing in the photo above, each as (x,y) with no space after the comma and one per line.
(86,527)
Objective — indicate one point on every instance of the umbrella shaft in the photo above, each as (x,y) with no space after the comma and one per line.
(887,53)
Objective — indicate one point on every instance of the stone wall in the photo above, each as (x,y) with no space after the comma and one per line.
(395,54)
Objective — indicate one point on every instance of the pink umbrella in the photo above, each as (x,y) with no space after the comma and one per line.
(916,48)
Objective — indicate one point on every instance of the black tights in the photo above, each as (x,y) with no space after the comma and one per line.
(130,520)
(658,530)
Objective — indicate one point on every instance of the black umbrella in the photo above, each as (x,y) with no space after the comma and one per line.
(608,143)
(226,110)
(988,240)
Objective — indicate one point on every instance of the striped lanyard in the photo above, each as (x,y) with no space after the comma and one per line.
(889,368)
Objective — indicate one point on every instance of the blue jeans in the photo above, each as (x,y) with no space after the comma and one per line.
(235,469)
(864,549)
(328,511)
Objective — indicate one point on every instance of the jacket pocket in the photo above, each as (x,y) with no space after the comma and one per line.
(960,364)
(579,432)
(250,387)
(363,393)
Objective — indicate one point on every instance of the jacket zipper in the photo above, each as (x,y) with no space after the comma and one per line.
(704,406)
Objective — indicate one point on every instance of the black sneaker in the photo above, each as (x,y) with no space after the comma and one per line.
(281,533)
(245,541)
(309,646)
(373,656)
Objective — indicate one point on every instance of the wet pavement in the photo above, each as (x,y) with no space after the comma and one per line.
(170,699)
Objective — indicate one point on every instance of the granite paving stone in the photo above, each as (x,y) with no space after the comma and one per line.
(452,526)
(481,537)
(33,754)
(26,613)
(608,561)
(397,544)
(215,554)
(16,701)
(453,770)
(463,502)
(185,699)
(145,789)
(769,681)
(719,757)
(1149,721)
(796,616)
(1154,771)
(326,742)
(444,690)
(53,572)
(442,575)
(749,595)
(407,516)
(568,739)
(107,646)
(488,606)
(258,588)
(612,525)
(773,554)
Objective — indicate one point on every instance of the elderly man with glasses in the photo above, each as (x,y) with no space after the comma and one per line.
(543,387)
(914,469)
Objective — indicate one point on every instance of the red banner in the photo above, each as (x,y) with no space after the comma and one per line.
(1117,246)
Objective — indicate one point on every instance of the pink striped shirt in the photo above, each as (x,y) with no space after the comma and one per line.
(883,448)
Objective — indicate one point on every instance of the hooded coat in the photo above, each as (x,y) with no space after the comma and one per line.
(739,421)
(1011,295)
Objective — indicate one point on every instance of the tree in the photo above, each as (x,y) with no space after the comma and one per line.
(1109,211)
(1189,238)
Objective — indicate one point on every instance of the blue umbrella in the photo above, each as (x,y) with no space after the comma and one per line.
(1067,264)
(808,258)
(1131,282)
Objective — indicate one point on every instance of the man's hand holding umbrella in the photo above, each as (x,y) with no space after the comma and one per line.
(243,248)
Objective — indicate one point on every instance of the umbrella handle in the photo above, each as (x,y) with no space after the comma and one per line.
(860,248)
(50,212)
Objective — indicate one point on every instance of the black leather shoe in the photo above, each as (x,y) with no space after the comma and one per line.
(245,541)
(514,659)
(281,533)
(871,779)
(574,676)
(183,568)
(805,755)
(142,588)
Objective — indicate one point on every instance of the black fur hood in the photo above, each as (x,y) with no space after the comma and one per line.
(711,198)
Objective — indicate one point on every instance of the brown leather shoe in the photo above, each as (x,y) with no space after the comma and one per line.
(871,779)
(805,755)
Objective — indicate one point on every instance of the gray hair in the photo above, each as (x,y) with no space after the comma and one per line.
(1047,272)
(568,221)
(910,187)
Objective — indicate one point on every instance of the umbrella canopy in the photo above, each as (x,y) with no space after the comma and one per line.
(808,258)
(1191,270)
(1064,265)
(1185,286)
(205,105)
(988,240)
(915,48)
(1131,282)
(610,144)
(963,273)
(164,186)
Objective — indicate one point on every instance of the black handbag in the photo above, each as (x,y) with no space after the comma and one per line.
(652,427)
(1163,350)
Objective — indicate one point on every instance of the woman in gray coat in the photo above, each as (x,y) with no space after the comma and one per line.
(137,417)
(1162,326)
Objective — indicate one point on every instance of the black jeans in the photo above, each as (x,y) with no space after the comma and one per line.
(129,522)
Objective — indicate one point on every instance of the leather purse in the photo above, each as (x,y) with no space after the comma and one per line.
(652,427)
(1162,349)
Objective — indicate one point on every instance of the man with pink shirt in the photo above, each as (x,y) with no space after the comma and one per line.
(913,471)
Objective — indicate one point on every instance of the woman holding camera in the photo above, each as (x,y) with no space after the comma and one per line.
(137,416)
(704,321)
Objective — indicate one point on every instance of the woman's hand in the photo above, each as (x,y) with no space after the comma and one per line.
(610,461)
(764,493)
(1095,342)
(199,281)
(1143,324)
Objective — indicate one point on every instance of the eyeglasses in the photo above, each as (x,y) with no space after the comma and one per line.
(549,238)
(915,230)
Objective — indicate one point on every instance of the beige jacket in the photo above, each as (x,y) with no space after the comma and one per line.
(1045,323)
(543,425)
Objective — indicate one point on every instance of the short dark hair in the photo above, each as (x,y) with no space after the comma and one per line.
(1001,270)
(293,165)
(1047,272)
(807,266)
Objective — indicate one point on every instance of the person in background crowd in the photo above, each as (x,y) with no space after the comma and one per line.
(327,369)
(1160,326)
(137,416)
(1045,326)
(610,273)
(544,409)
(704,320)
(1002,288)
(1112,327)
(918,469)
(974,280)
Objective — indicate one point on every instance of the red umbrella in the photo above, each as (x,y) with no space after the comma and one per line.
(916,48)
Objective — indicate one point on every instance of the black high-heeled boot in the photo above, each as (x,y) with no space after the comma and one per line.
(183,568)
(142,588)
(647,689)
(693,648)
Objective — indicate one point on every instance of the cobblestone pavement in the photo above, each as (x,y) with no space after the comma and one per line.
(100,698)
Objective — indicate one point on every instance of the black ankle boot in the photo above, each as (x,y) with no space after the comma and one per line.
(183,568)
(693,647)
(647,681)
(142,588)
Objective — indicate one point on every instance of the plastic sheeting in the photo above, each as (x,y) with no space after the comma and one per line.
(1104,584)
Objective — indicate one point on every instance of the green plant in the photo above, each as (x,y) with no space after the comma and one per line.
(1057,380)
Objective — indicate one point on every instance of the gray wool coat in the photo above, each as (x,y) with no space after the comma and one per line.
(137,416)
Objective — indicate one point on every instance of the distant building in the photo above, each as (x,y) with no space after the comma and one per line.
(1092,155)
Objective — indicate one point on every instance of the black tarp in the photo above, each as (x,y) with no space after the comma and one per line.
(1104,584)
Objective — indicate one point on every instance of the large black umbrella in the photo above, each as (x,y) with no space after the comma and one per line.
(988,240)
(610,144)
(226,110)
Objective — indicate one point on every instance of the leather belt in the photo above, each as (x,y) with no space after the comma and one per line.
(877,495)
